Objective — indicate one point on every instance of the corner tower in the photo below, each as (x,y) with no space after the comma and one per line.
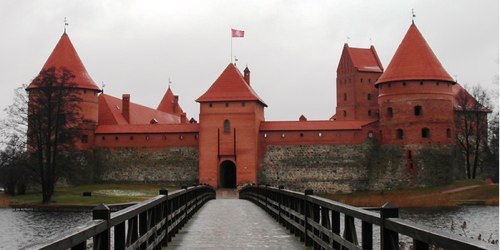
(357,71)
(230,116)
(64,56)
(415,95)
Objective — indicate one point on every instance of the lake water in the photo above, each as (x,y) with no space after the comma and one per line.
(22,228)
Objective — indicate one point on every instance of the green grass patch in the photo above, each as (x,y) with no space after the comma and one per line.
(101,193)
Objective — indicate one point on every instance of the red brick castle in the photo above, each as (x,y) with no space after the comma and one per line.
(409,105)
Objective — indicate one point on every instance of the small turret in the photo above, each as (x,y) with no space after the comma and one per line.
(246,75)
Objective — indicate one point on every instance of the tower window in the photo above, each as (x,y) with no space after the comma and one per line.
(448,133)
(345,113)
(369,113)
(131,138)
(418,110)
(345,96)
(243,104)
(369,96)
(227,104)
(389,111)
(399,134)
(425,133)
(421,83)
(210,105)
(116,138)
(369,80)
(84,139)
(361,80)
(404,83)
(227,126)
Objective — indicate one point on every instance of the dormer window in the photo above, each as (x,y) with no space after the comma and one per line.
(153,121)
(389,112)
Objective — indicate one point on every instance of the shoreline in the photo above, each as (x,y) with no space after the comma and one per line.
(482,195)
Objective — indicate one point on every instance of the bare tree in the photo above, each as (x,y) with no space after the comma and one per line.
(15,124)
(53,120)
(471,122)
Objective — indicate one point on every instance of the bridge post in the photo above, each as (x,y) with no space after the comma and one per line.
(102,240)
(280,204)
(164,215)
(307,239)
(388,239)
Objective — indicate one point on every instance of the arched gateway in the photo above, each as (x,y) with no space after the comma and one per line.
(227,174)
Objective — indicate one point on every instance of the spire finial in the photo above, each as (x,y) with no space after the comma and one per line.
(102,86)
(348,39)
(169,82)
(371,41)
(413,15)
(65,24)
(235,60)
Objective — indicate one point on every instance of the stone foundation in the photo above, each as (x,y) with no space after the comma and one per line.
(173,166)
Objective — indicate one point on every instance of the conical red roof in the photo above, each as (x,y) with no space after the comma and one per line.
(65,55)
(414,60)
(168,103)
(230,86)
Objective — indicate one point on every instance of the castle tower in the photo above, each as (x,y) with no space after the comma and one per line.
(65,56)
(230,116)
(170,103)
(357,71)
(415,95)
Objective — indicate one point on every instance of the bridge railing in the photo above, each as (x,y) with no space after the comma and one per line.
(317,220)
(147,225)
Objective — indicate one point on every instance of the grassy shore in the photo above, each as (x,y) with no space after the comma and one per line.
(463,192)
(101,193)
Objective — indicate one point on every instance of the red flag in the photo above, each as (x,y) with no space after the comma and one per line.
(237,33)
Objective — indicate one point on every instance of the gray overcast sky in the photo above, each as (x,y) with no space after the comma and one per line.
(291,47)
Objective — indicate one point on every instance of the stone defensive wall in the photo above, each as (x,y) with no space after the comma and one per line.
(367,166)
(171,166)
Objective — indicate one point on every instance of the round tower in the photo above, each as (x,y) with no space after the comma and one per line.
(415,96)
(65,57)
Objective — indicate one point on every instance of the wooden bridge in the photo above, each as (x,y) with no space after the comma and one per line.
(302,221)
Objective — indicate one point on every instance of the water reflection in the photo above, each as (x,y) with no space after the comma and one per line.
(479,220)
(22,228)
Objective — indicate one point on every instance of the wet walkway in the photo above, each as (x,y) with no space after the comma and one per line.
(230,223)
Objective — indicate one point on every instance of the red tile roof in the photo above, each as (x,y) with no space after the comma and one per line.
(313,125)
(65,55)
(414,60)
(230,86)
(147,128)
(459,93)
(110,112)
(365,59)
(168,103)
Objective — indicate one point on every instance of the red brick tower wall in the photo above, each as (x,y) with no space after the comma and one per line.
(217,145)
(89,107)
(357,71)
(404,98)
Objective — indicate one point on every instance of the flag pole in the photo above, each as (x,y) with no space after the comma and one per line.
(231,46)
